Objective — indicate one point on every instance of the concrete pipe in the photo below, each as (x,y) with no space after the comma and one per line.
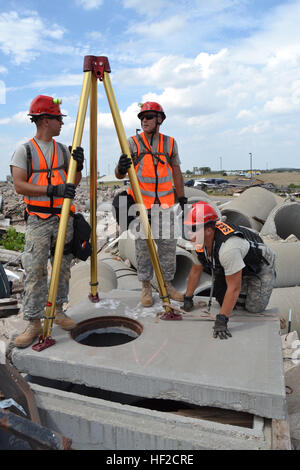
(194,195)
(112,274)
(197,193)
(283,221)
(80,280)
(287,261)
(251,208)
(126,277)
(184,263)
(284,299)
(192,200)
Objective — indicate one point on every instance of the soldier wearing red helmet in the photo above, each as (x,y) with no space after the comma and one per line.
(157,166)
(39,169)
(242,266)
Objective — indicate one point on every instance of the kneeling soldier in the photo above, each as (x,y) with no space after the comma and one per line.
(242,266)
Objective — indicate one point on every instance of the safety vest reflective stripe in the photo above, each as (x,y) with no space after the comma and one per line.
(42,175)
(152,193)
(153,170)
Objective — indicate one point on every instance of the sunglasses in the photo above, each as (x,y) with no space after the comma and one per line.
(148,117)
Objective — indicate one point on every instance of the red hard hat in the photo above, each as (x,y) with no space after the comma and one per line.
(201,213)
(45,105)
(152,106)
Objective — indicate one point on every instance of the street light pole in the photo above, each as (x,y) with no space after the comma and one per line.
(250,155)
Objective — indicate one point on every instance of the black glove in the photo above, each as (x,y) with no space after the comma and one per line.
(220,328)
(188,303)
(67,190)
(79,157)
(182,201)
(124,163)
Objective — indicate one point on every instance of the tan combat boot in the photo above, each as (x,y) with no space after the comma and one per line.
(146,299)
(173,293)
(33,330)
(62,320)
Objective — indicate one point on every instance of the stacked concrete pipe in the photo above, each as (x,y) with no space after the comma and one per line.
(112,274)
(285,299)
(251,208)
(287,261)
(184,262)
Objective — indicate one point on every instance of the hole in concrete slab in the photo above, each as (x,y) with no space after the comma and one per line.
(106,331)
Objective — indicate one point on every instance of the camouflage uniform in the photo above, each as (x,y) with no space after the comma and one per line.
(164,234)
(166,242)
(41,236)
(257,289)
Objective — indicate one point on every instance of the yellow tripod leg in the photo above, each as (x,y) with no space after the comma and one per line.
(93,296)
(62,229)
(138,197)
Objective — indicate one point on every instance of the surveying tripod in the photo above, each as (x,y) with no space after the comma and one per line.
(97,68)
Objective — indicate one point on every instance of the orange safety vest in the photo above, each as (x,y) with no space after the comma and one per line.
(39,173)
(154,171)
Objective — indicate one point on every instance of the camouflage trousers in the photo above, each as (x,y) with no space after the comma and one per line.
(41,236)
(256,290)
(164,234)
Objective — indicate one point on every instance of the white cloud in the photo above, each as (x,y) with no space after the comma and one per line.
(89,4)
(184,70)
(94,35)
(151,8)
(245,114)
(159,29)
(257,128)
(18,118)
(2,92)
(277,39)
(65,80)
(128,117)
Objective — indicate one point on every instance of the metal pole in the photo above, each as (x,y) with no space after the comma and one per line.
(65,212)
(94,297)
(136,189)
(250,155)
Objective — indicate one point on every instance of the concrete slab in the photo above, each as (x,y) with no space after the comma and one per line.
(172,360)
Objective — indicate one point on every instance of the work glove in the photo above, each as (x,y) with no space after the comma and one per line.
(79,157)
(182,201)
(220,327)
(124,164)
(67,190)
(188,303)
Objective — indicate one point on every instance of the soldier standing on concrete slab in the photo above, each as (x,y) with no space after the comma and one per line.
(157,166)
(242,265)
(39,169)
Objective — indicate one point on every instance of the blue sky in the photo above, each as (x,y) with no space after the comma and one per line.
(227,73)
